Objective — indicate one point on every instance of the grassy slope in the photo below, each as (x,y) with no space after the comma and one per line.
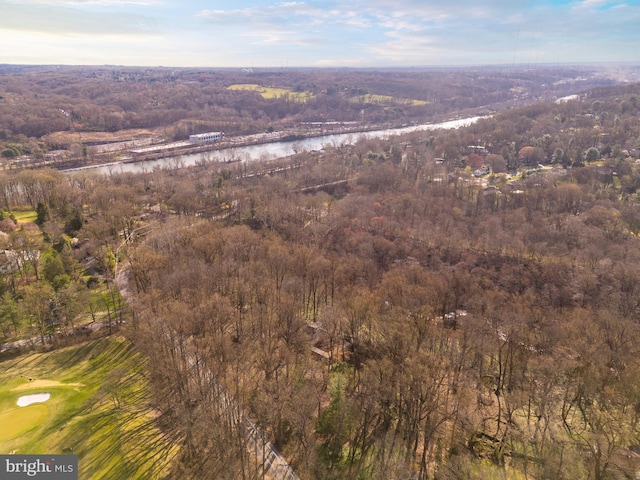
(25,216)
(382,99)
(97,410)
(271,93)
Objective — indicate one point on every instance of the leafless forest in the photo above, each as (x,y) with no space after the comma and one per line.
(64,110)
(443,305)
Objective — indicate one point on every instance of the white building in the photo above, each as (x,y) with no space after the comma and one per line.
(206,137)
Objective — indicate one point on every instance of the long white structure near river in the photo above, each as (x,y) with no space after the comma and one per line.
(206,137)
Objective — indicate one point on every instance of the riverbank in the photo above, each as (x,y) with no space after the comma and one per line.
(177,149)
(261,147)
(172,149)
(163,150)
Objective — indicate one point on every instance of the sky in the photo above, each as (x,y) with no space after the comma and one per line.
(318,33)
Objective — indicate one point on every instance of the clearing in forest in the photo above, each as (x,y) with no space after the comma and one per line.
(271,92)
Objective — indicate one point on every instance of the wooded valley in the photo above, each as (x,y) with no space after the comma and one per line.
(59,112)
(378,310)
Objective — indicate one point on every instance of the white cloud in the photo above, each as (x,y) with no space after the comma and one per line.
(28,48)
(592,3)
(320,32)
(403,48)
(64,20)
(270,37)
(417,32)
(298,13)
(267,14)
(99,3)
(599,6)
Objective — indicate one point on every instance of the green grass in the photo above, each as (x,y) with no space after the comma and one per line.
(303,97)
(18,421)
(273,93)
(386,99)
(98,410)
(25,216)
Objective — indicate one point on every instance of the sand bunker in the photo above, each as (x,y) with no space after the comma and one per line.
(35,398)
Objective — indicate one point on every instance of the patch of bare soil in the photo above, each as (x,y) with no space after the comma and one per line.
(66,138)
(45,384)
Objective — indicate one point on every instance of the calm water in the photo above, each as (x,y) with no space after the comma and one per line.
(269,151)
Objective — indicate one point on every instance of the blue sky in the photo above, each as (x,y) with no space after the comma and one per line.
(318,33)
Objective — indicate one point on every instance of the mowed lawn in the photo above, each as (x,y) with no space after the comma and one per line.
(98,409)
(25,216)
(272,92)
(386,99)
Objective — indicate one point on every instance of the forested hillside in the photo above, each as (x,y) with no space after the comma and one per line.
(458,304)
(64,109)
(411,321)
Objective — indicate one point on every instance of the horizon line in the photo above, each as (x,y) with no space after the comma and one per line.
(329,67)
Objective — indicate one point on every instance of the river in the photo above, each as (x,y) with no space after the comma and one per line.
(269,151)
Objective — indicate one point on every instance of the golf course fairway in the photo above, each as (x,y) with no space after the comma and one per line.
(97,408)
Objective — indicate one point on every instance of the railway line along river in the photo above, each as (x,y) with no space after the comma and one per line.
(269,151)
